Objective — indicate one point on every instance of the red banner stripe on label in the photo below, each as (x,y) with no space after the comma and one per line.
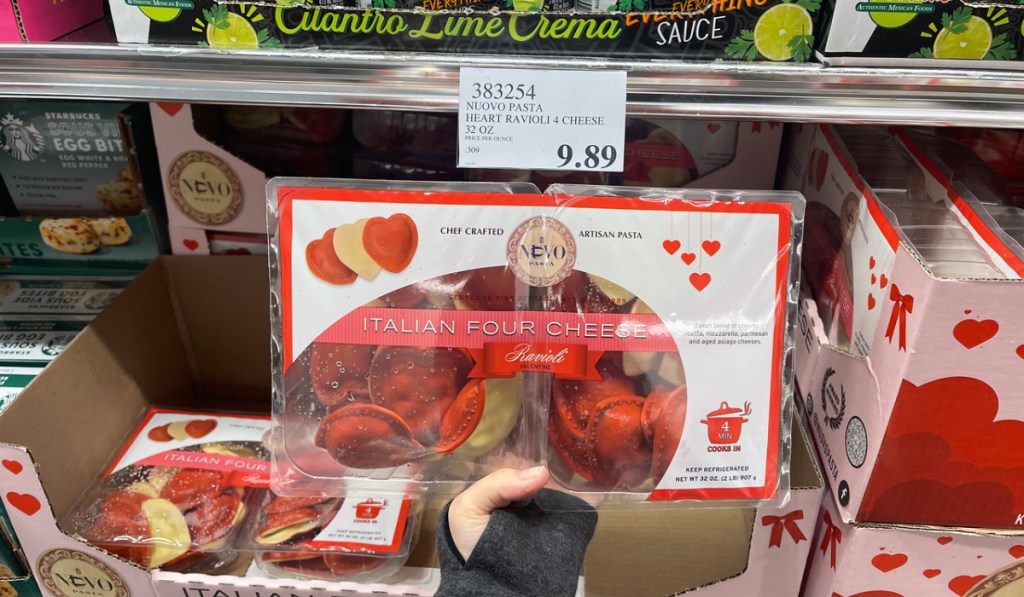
(245,472)
(475,329)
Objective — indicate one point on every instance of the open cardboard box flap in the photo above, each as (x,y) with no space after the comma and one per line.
(193,332)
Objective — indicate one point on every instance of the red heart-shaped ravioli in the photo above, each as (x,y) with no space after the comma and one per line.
(391,242)
(323,262)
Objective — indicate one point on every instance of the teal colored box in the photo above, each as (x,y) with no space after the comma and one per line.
(64,245)
(34,340)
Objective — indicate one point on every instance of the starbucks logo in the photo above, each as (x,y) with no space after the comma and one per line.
(19,140)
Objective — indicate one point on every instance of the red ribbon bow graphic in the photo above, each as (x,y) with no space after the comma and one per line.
(902,304)
(787,522)
(833,537)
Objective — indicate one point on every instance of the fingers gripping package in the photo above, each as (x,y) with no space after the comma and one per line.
(175,496)
(426,334)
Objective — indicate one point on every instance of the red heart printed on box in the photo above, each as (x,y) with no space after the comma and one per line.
(1017,551)
(971,332)
(170,108)
(688,258)
(24,502)
(711,247)
(671,246)
(962,584)
(13,465)
(887,562)
(931,572)
(190,244)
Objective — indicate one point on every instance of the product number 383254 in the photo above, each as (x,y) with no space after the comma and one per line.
(500,91)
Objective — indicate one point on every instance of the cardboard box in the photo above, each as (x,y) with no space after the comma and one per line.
(874,560)
(916,421)
(694,29)
(206,323)
(42,20)
(957,34)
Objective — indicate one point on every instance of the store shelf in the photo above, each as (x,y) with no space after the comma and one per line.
(805,93)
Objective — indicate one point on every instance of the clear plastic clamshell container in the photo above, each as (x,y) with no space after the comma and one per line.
(356,538)
(938,237)
(177,518)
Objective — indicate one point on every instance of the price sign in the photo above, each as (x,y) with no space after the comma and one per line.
(541,119)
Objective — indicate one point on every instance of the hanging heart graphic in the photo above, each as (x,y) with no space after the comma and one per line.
(1017,551)
(871,263)
(962,584)
(711,247)
(971,333)
(700,281)
(12,465)
(24,502)
(671,246)
(944,540)
(170,108)
(931,572)
(688,258)
(190,244)
(883,281)
(714,128)
(873,278)
(887,562)
(871,302)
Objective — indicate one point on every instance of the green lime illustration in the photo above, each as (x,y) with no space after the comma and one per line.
(160,14)
(527,5)
(973,43)
(776,29)
(238,34)
(894,20)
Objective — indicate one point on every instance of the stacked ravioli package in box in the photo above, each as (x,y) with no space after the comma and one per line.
(426,334)
(177,493)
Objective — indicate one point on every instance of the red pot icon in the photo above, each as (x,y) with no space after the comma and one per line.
(369,509)
(725,424)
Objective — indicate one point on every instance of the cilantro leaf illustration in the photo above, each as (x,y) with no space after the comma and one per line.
(1001,49)
(809,5)
(924,52)
(742,46)
(218,16)
(801,46)
(957,22)
(265,41)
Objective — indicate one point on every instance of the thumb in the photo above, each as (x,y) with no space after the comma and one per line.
(501,488)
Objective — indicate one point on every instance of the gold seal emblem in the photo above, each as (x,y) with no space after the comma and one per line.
(70,573)
(205,188)
(541,252)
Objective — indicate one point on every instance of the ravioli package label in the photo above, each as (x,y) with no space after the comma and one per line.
(634,340)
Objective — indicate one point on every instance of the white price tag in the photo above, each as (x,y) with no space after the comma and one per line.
(541,119)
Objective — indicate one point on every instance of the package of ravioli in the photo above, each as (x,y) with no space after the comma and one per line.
(178,491)
(361,538)
(427,335)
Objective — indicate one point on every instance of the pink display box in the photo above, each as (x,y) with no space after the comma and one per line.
(862,560)
(45,20)
(921,424)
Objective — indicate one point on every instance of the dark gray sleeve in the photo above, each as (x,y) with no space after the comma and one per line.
(534,549)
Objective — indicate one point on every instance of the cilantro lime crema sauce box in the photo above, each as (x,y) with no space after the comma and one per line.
(69,158)
(35,340)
